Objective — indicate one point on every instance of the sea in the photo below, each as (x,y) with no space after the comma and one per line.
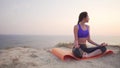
(46,41)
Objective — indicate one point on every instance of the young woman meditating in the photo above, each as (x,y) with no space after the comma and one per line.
(81,35)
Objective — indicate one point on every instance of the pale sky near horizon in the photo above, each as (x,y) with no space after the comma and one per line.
(57,17)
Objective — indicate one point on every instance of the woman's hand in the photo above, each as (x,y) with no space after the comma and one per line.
(103,44)
(77,46)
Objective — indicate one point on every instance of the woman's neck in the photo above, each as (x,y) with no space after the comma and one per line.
(82,23)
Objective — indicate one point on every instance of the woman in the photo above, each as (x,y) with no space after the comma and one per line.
(81,35)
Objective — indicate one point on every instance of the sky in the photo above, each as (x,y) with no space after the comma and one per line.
(58,17)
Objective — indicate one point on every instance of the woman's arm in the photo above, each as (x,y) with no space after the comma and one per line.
(89,39)
(76,36)
(92,42)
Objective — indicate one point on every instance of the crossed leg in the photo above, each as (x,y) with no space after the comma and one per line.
(93,51)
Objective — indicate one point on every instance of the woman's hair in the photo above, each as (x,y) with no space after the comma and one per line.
(82,16)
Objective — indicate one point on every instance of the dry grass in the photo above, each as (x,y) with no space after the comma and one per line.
(67,45)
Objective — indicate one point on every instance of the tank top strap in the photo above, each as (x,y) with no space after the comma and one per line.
(86,26)
(79,26)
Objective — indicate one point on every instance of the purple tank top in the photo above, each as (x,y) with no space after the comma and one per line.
(82,33)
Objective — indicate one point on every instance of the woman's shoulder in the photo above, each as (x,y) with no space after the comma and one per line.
(76,26)
(87,25)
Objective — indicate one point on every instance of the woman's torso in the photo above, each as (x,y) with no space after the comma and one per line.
(83,34)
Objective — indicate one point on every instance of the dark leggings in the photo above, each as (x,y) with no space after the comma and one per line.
(91,49)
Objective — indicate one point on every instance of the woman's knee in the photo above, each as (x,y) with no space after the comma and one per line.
(77,52)
(103,49)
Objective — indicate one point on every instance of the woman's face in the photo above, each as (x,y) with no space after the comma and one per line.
(86,19)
